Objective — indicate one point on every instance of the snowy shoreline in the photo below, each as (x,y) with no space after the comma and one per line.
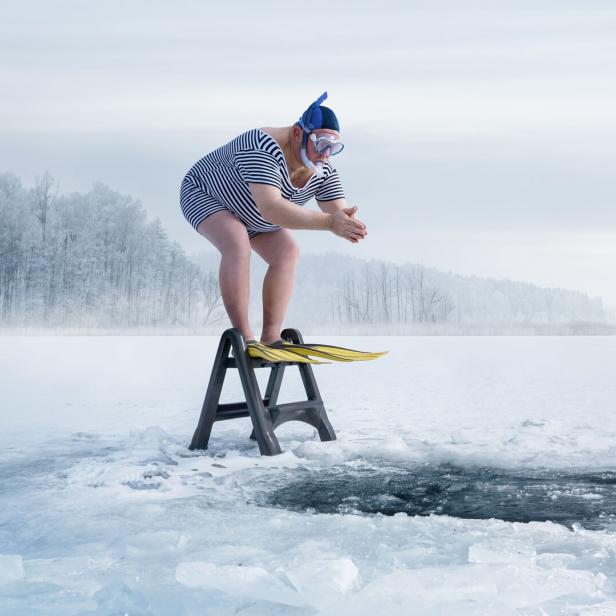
(317,331)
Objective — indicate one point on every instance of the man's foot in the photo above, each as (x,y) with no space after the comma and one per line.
(271,343)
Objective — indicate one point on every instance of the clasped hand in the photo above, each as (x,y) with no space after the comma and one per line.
(344,224)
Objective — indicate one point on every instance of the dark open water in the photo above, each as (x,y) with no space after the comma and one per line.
(588,499)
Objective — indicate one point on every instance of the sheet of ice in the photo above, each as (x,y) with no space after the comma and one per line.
(11,568)
(104,510)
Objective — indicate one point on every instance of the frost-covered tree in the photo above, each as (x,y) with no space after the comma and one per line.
(92,259)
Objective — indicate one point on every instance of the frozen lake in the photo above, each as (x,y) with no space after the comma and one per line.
(470,476)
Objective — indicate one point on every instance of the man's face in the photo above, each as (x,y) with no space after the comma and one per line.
(315,156)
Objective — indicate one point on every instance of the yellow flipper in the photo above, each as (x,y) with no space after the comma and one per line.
(350,354)
(331,352)
(261,351)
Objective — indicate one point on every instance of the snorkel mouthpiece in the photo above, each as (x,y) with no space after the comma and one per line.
(316,168)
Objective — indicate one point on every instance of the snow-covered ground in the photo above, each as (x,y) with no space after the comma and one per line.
(104,510)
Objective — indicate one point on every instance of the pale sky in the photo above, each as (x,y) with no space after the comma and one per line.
(481,136)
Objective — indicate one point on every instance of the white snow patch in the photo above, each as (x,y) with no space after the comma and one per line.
(499,589)
(11,568)
(493,551)
(321,581)
(248,582)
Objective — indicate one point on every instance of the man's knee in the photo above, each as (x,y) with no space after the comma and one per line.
(286,253)
(277,248)
(293,251)
(239,250)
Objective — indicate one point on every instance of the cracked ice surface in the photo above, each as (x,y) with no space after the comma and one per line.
(105,511)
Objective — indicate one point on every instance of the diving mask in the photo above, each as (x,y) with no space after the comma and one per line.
(323,143)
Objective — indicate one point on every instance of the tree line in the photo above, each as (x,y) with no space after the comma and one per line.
(358,292)
(94,260)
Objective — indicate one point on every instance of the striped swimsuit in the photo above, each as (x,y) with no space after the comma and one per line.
(219,181)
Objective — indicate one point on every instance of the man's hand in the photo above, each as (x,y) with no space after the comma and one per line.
(344,224)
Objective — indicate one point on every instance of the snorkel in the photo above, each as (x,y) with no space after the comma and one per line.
(316,167)
(315,118)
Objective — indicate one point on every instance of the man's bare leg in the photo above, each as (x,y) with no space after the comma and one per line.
(229,235)
(280,251)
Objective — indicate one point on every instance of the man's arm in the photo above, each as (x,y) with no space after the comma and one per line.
(332,206)
(278,211)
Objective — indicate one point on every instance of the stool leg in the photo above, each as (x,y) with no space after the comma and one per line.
(201,436)
(273,388)
(261,420)
(324,427)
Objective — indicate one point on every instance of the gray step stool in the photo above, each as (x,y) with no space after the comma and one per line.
(266,414)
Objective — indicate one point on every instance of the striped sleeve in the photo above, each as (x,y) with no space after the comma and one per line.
(258,167)
(331,188)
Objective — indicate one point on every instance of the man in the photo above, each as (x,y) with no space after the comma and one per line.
(246,195)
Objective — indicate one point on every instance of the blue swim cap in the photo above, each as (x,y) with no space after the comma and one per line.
(328,119)
(318,116)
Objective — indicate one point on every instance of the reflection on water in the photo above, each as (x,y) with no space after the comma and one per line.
(523,496)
